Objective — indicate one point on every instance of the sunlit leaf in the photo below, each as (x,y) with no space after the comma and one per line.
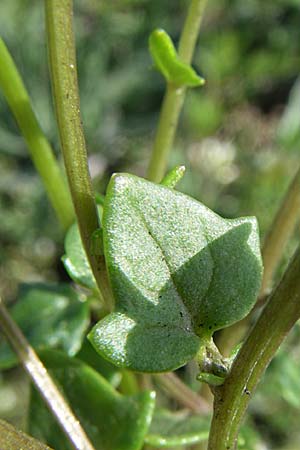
(178,272)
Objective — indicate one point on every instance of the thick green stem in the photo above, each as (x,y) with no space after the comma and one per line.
(276,320)
(284,223)
(38,145)
(61,46)
(174,97)
(43,382)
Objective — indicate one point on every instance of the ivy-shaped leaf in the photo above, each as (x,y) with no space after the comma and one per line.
(52,316)
(178,271)
(177,429)
(111,420)
(169,64)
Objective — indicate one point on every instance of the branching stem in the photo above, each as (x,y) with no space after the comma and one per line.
(174,97)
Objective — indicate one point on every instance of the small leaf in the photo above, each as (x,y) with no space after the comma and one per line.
(111,420)
(178,271)
(49,316)
(75,260)
(177,429)
(173,177)
(169,64)
(13,439)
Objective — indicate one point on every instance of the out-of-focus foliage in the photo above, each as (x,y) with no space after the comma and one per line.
(238,136)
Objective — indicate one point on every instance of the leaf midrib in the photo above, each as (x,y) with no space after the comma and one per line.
(180,296)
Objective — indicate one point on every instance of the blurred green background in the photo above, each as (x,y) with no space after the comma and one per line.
(238,137)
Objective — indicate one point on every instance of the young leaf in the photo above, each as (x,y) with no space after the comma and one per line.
(13,439)
(169,64)
(173,177)
(178,272)
(75,260)
(177,429)
(49,316)
(111,420)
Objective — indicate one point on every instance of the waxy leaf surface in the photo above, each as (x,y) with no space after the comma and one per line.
(111,420)
(52,316)
(178,272)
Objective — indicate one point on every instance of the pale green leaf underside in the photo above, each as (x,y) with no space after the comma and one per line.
(111,420)
(178,273)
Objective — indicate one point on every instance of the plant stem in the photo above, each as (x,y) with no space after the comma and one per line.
(174,96)
(61,46)
(276,320)
(43,382)
(182,393)
(280,232)
(40,150)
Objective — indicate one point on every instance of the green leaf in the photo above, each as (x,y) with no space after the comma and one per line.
(49,316)
(13,439)
(110,372)
(177,429)
(111,420)
(178,272)
(173,177)
(75,260)
(169,64)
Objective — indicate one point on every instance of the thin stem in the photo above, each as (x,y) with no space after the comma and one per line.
(274,246)
(276,320)
(280,232)
(174,97)
(182,393)
(43,382)
(40,150)
(168,120)
(61,46)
